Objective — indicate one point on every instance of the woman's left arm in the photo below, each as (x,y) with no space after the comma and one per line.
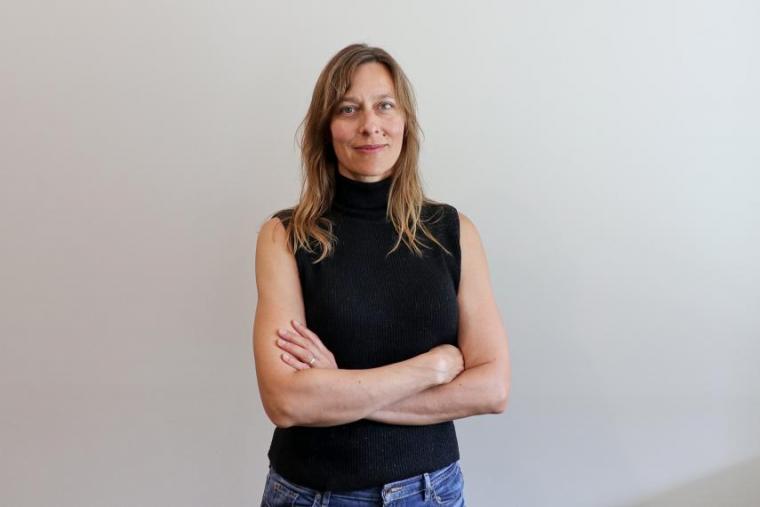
(483,386)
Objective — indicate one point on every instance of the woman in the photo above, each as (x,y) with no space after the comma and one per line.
(376,325)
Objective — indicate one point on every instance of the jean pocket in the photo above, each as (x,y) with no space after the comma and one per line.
(449,490)
(278,494)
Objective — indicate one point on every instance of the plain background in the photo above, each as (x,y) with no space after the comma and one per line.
(608,153)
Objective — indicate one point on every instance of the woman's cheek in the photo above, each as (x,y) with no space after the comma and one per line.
(339,133)
(396,128)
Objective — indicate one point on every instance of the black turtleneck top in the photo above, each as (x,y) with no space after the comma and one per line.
(371,309)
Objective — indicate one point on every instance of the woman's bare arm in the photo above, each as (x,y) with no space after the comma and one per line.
(317,397)
(460,398)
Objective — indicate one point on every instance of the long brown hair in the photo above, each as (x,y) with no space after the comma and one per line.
(306,224)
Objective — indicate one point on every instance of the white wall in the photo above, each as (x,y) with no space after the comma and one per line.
(607,151)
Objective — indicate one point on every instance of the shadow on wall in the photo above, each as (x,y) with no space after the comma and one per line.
(737,486)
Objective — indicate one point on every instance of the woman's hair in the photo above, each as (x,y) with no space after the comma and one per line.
(305,223)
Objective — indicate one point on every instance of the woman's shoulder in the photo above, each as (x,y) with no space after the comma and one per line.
(442,218)
(434,212)
(283,215)
(276,227)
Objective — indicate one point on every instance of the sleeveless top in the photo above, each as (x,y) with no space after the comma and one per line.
(371,309)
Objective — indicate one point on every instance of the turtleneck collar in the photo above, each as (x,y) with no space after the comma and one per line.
(368,200)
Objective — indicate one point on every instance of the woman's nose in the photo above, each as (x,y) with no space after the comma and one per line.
(369,123)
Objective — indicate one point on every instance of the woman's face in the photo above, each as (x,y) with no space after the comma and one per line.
(368,115)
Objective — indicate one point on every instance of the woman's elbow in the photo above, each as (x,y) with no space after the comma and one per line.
(502,398)
(277,411)
(281,420)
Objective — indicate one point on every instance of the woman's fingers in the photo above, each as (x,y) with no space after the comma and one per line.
(295,363)
(305,346)
(299,347)
(295,338)
(311,335)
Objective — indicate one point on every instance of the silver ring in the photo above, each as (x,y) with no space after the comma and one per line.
(313,358)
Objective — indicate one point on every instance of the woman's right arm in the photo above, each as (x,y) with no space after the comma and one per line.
(318,396)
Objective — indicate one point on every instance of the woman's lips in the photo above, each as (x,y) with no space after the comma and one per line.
(370,148)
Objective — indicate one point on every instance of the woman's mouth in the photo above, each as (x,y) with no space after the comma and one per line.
(370,148)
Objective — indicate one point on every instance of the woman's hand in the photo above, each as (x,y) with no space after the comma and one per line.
(302,347)
(448,361)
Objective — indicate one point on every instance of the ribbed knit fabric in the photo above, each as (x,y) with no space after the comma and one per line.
(371,310)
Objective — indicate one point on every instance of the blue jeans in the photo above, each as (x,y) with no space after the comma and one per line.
(443,487)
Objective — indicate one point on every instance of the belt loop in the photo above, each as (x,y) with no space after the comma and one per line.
(428,486)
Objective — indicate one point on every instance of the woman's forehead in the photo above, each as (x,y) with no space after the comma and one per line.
(372,79)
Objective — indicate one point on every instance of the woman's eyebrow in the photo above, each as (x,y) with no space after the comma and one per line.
(382,96)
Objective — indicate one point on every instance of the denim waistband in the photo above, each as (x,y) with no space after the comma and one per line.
(387,492)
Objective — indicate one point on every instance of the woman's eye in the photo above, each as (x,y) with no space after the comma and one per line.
(384,106)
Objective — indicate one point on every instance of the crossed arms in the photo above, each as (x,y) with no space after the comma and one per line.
(409,392)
